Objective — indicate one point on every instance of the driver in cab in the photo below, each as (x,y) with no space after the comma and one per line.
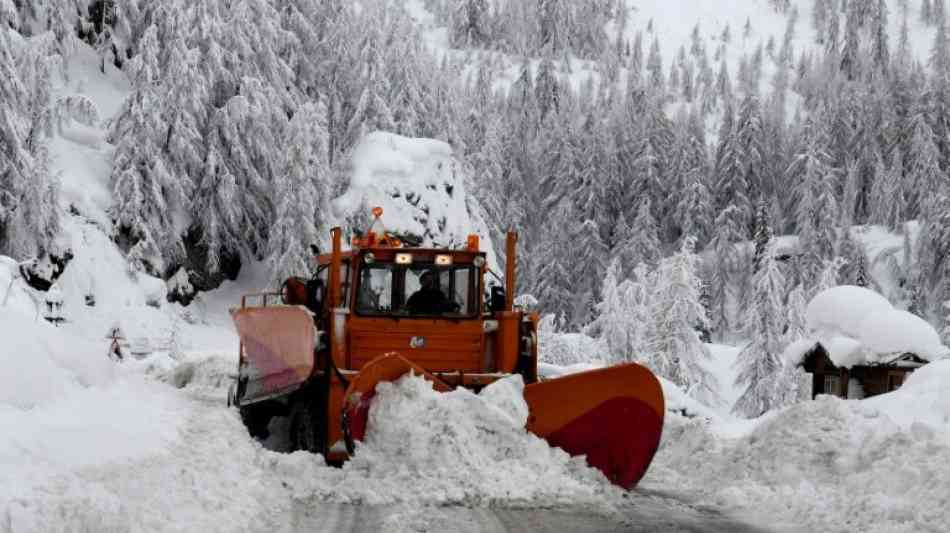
(428,300)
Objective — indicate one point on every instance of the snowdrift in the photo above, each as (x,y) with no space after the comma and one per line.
(879,462)
(43,364)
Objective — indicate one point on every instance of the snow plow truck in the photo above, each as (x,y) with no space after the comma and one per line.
(315,350)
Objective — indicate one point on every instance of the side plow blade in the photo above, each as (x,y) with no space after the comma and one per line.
(613,416)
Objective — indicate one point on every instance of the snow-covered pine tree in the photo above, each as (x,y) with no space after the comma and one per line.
(471,24)
(635,297)
(731,187)
(676,350)
(887,193)
(654,67)
(817,209)
(797,323)
(587,258)
(611,324)
(750,139)
(830,275)
(554,282)
(759,362)
(728,231)
(923,175)
(854,269)
(28,194)
(300,190)
(693,210)
(761,235)
(642,243)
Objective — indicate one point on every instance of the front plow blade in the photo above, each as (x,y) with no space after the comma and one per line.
(362,388)
(612,415)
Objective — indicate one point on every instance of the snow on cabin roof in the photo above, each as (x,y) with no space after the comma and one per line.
(840,310)
(858,327)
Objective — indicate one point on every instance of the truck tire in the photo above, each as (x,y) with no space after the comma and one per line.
(307,430)
(256,419)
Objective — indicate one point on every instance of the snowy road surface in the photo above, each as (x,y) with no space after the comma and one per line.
(648,513)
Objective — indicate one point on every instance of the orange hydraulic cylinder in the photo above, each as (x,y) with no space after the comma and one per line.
(510,261)
(508,341)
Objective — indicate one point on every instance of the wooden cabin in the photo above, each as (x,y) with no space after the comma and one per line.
(883,375)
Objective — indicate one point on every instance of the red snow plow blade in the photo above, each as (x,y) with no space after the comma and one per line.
(613,416)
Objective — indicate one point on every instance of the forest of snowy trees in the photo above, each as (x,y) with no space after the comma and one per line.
(649,195)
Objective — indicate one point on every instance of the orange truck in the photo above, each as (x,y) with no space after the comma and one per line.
(315,350)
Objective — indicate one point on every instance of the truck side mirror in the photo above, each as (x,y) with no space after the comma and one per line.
(497,300)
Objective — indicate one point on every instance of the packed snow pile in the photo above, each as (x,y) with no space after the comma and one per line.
(458,448)
(923,401)
(201,373)
(875,465)
(858,326)
(43,364)
(421,187)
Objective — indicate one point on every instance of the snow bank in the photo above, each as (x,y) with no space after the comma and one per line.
(874,465)
(420,186)
(457,448)
(923,401)
(43,364)
(202,373)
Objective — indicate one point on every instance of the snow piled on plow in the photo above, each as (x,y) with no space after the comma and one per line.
(458,448)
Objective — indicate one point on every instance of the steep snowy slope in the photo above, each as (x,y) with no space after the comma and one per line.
(671,23)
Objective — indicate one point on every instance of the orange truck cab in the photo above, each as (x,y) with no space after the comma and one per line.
(302,346)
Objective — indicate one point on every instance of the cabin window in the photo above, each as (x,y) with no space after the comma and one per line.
(832,385)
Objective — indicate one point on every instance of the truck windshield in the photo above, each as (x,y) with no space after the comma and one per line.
(416,290)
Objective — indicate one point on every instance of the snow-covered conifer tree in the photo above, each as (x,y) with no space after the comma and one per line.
(759,362)
(817,209)
(676,350)
(728,231)
(887,193)
(471,24)
(612,318)
(642,245)
(655,67)
(300,191)
(587,258)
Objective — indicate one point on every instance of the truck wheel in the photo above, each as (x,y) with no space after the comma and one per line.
(256,418)
(306,430)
